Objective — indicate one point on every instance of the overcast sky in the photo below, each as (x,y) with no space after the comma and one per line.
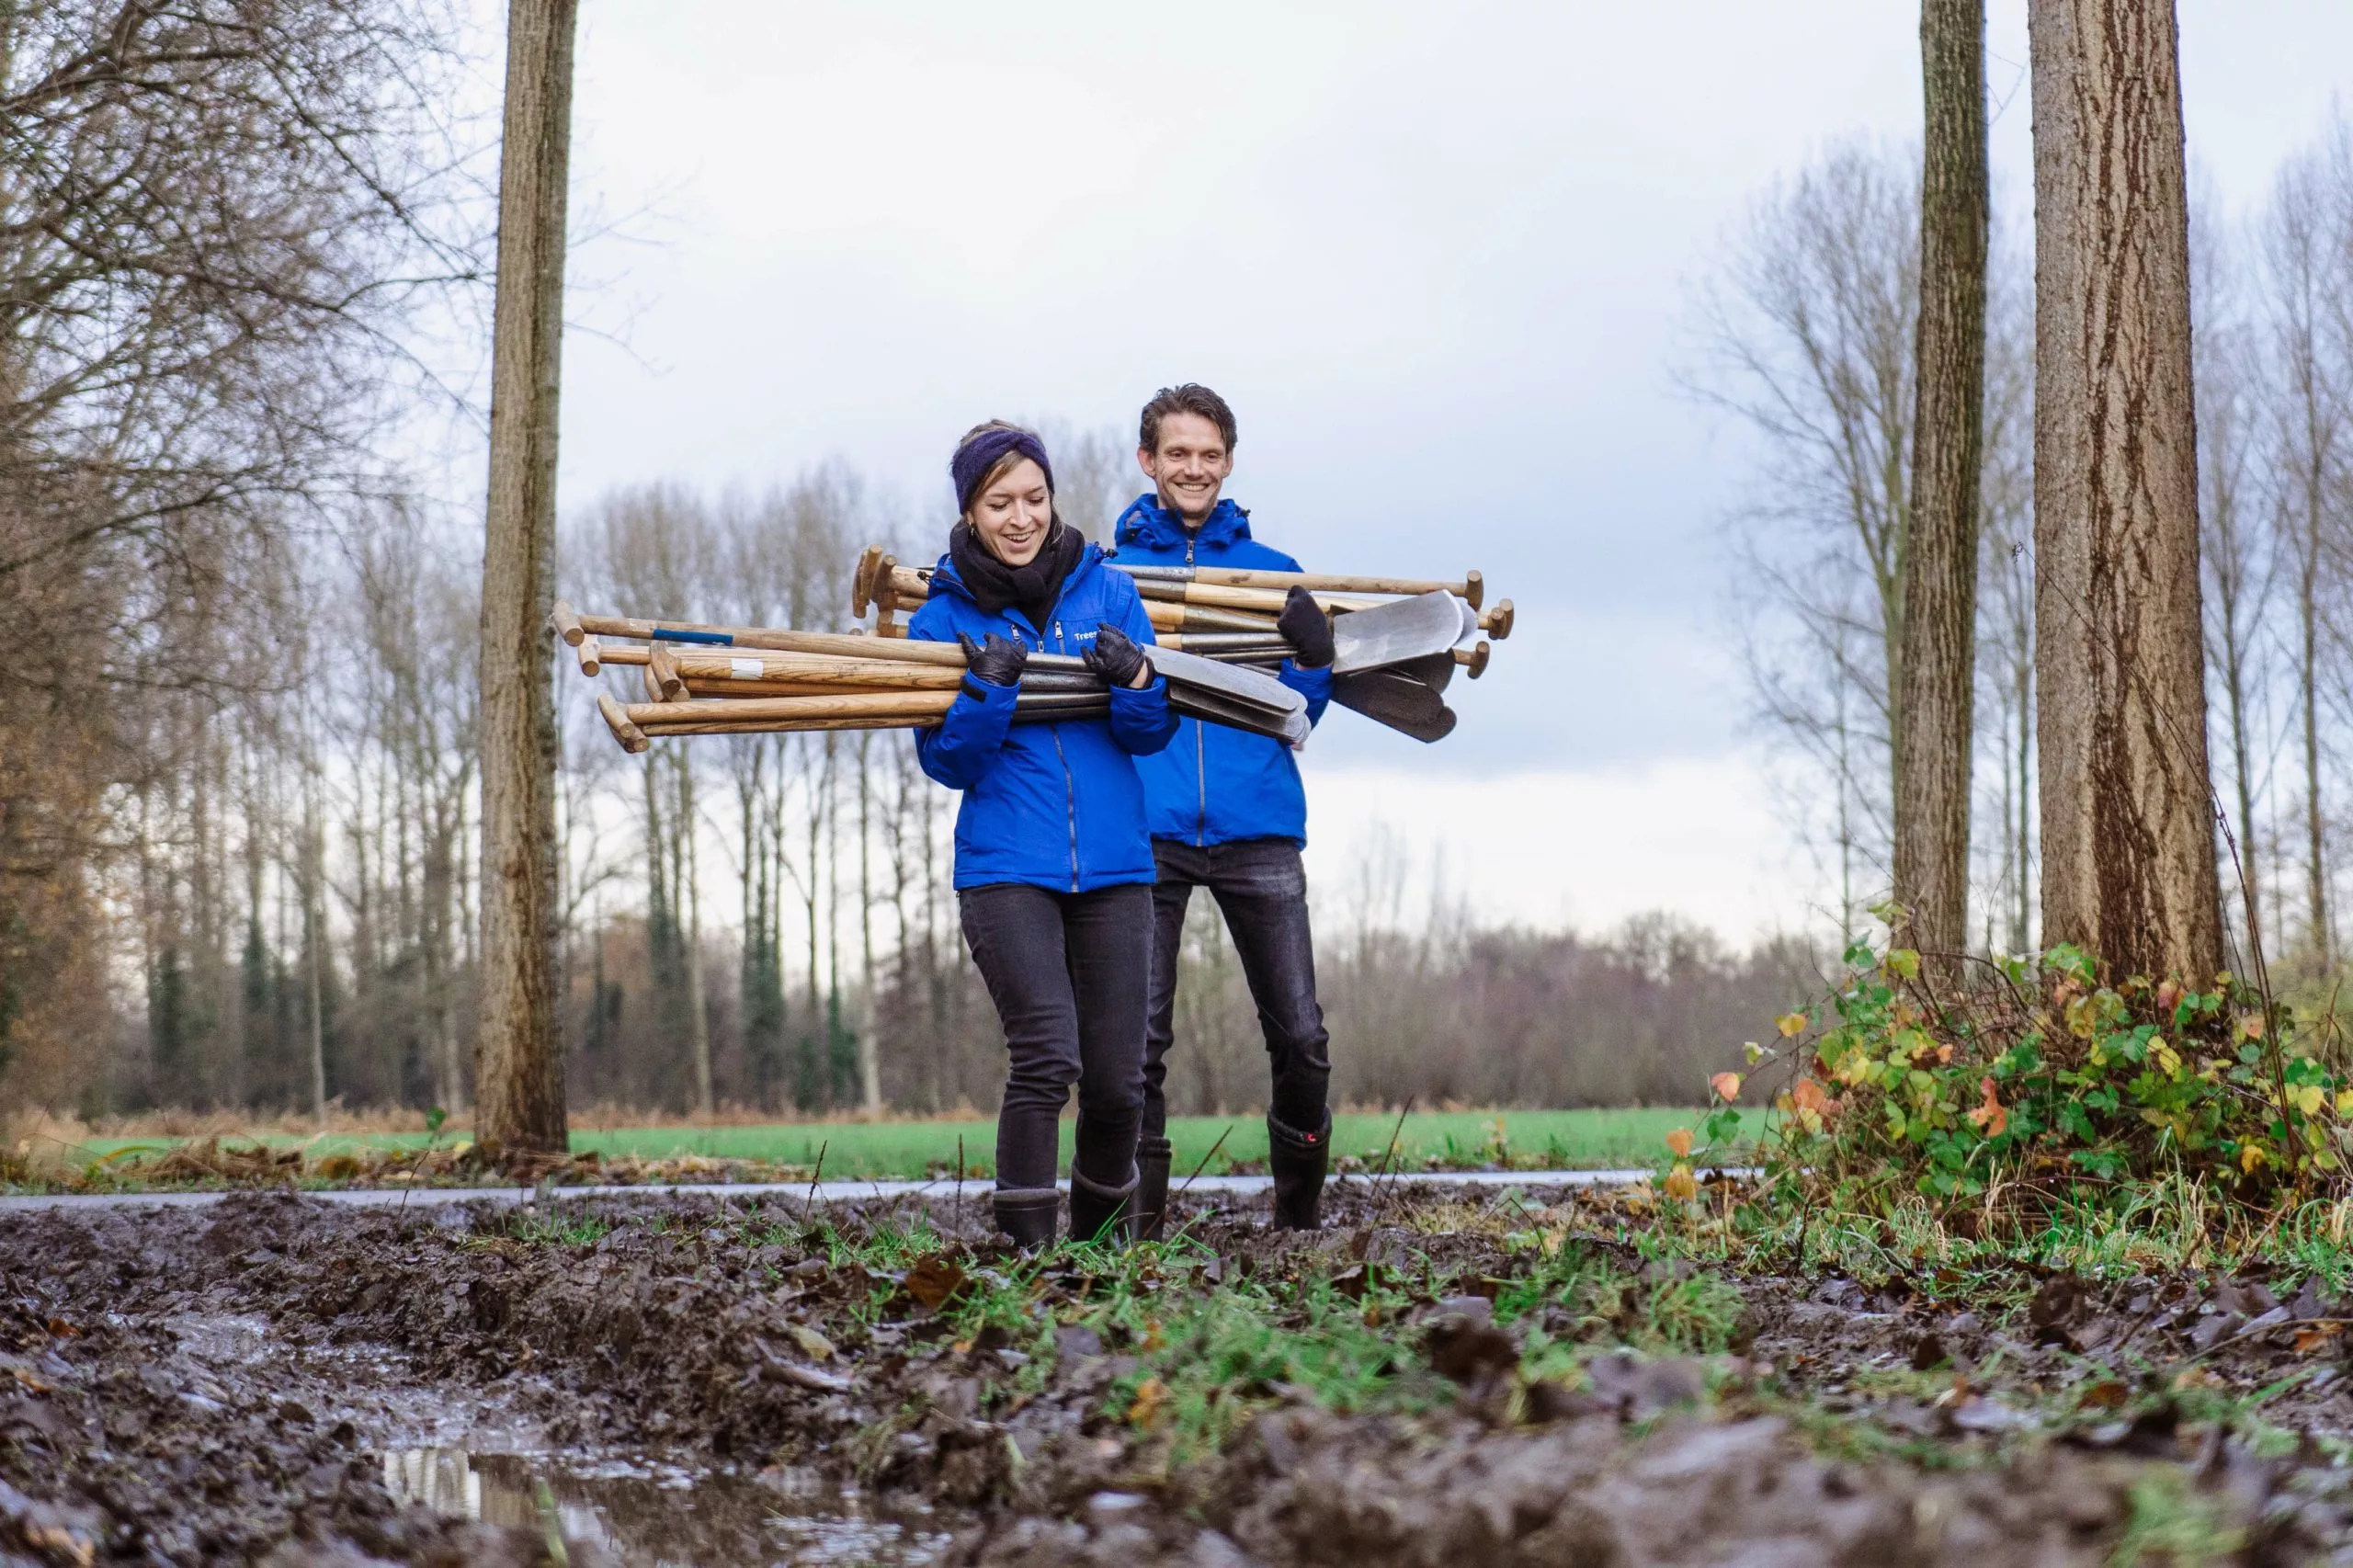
(1438,258)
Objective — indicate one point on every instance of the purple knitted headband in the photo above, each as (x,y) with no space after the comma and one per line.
(976,456)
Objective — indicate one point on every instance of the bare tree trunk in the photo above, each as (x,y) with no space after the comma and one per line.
(518,1073)
(1938,668)
(870,1063)
(698,1015)
(314,933)
(2128,837)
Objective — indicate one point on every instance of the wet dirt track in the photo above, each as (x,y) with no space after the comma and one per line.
(275,1378)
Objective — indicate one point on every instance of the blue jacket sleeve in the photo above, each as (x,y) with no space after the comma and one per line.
(1141,720)
(961,751)
(970,739)
(1313,684)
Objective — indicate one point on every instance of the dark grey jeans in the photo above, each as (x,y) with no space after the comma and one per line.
(1068,973)
(1261,888)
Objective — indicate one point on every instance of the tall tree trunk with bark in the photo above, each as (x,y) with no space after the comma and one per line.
(1937,671)
(2128,835)
(518,1070)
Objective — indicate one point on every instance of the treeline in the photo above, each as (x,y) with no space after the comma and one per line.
(226,233)
(1807,335)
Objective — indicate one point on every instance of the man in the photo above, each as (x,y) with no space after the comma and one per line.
(1227,813)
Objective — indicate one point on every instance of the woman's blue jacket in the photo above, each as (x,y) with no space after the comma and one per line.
(1215,785)
(1054,805)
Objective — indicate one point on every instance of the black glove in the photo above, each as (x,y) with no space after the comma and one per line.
(998,661)
(1113,658)
(1307,629)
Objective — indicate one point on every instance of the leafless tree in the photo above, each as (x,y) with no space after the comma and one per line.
(2237,544)
(1808,336)
(2307,266)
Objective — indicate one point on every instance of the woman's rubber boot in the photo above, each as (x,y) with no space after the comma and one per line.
(1152,1186)
(1099,1212)
(1027,1214)
(1297,1161)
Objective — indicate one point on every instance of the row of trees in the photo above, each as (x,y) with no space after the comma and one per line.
(1815,336)
(225,230)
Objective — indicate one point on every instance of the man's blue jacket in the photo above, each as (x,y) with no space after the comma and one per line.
(1214,785)
(1057,805)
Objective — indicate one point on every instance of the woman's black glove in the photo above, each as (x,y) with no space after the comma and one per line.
(1307,629)
(1113,658)
(998,661)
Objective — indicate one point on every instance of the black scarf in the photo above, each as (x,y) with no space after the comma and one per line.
(1033,588)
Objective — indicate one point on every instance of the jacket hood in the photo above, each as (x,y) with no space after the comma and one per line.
(1149,524)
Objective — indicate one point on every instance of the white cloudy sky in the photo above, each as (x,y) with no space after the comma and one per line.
(1437,255)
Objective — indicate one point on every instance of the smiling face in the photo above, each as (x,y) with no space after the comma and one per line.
(1013,513)
(1189,468)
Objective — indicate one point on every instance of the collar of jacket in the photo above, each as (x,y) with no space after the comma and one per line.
(1148,524)
(944,578)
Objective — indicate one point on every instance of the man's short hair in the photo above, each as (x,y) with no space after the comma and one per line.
(1191,398)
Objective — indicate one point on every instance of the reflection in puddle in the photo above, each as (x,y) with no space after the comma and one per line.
(637,1514)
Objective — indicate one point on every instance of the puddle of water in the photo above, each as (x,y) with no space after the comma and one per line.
(645,1515)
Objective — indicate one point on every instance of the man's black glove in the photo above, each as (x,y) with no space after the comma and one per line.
(1113,658)
(1307,629)
(998,661)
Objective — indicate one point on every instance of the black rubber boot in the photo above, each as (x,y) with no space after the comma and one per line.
(1297,1161)
(1098,1212)
(1152,1186)
(1027,1214)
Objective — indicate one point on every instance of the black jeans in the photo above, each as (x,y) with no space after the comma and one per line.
(1261,888)
(1068,973)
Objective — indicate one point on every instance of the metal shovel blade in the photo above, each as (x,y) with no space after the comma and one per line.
(1235,684)
(1399,702)
(1396,632)
(1433,671)
(1193,702)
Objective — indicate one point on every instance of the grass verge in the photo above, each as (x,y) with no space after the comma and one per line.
(1523,1140)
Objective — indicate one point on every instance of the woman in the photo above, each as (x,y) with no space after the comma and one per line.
(1053,864)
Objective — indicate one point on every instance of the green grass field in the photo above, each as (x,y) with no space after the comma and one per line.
(1526,1139)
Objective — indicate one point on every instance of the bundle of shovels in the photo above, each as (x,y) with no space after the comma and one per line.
(1399,640)
(739,680)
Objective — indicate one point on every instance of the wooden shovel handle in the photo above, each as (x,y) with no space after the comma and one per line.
(862,581)
(567,621)
(1474,660)
(662,673)
(855,644)
(1496,622)
(900,706)
(617,719)
(592,655)
(815,669)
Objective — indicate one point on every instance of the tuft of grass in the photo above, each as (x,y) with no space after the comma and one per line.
(556,1227)
(2172,1523)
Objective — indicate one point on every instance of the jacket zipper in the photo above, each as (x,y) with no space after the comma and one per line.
(1200,752)
(1201,774)
(1070,785)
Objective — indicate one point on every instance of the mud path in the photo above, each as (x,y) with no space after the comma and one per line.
(704,1380)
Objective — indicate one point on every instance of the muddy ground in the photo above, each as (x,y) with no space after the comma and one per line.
(704,1381)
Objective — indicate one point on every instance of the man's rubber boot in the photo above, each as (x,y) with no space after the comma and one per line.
(1297,1161)
(1152,1186)
(1099,1212)
(1027,1214)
